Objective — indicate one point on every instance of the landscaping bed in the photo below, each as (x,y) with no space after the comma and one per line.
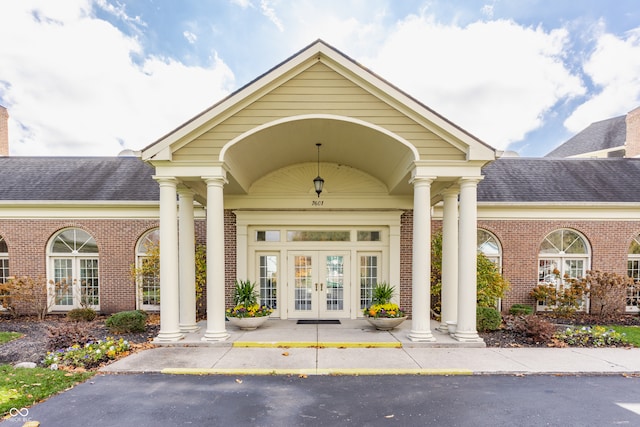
(509,335)
(33,345)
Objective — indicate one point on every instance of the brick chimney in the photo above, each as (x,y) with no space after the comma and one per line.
(632,145)
(4,131)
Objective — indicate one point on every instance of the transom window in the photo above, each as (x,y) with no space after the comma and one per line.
(147,263)
(563,254)
(74,274)
(633,271)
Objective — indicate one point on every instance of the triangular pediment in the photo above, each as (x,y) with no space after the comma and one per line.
(322,96)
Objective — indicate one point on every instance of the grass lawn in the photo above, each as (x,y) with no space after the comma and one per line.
(23,387)
(632,333)
(8,336)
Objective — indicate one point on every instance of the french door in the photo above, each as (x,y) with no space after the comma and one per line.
(319,284)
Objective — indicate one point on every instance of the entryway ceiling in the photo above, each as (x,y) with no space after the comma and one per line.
(343,143)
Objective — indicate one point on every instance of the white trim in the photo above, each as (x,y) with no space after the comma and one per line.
(228,145)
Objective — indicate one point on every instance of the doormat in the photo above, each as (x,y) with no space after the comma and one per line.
(318,322)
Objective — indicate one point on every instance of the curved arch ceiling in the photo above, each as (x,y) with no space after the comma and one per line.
(343,143)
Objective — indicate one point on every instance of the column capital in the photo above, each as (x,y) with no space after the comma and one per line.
(422,180)
(171,180)
(215,180)
(451,191)
(469,180)
(185,191)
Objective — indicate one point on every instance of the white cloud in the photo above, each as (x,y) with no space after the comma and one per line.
(496,79)
(269,12)
(614,68)
(71,87)
(191,37)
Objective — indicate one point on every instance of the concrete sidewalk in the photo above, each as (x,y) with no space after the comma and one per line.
(355,348)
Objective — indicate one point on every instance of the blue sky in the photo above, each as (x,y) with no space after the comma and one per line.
(94,77)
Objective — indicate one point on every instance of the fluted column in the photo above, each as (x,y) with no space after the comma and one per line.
(187,257)
(449,293)
(216,328)
(467,269)
(421,261)
(169,293)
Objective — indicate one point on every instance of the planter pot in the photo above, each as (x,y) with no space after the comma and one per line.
(386,323)
(248,323)
(452,326)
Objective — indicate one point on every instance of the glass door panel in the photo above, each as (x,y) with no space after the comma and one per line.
(319,284)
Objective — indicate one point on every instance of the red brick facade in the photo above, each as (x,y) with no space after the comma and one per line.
(27,244)
(520,240)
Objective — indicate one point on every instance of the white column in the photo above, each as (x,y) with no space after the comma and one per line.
(216,328)
(421,261)
(187,252)
(449,293)
(169,293)
(467,269)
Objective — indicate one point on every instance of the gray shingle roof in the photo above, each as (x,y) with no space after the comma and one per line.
(513,179)
(77,179)
(517,179)
(597,136)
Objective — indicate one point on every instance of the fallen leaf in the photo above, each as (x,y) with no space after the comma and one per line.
(238,380)
(389,416)
(302,376)
(286,353)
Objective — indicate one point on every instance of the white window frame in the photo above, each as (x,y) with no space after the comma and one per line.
(4,264)
(374,280)
(76,259)
(152,236)
(4,261)
(633,294)
(561,260)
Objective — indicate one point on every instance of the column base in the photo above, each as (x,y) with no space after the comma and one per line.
(467,336)
(421,336)
(189,328)
(215,336)
(169,336)
(444,328)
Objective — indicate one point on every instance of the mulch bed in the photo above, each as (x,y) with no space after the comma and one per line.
(505,337)
(32,346)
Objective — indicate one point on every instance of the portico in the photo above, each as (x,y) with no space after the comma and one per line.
(384,158)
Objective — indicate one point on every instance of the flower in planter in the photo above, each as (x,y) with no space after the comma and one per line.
(245,298)
(381,305)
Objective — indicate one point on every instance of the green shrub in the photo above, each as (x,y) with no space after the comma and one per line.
(82,314)
(521,310)
(487,319)
(127,321)
(596,336)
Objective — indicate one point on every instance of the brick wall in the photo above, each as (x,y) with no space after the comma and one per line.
(406,263)
(27,243)
(520,240)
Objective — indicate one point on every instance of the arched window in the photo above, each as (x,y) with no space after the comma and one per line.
(633,271)
(4,261)
(563,253)
(489,246)
(73,263)
(148,271)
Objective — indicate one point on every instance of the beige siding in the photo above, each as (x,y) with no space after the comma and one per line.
(318,90)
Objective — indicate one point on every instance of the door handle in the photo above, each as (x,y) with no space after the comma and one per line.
(320,286)
(316,286)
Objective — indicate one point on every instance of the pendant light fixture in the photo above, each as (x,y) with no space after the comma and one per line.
(318,182)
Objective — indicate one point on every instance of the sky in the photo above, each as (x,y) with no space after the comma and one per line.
(97,77)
